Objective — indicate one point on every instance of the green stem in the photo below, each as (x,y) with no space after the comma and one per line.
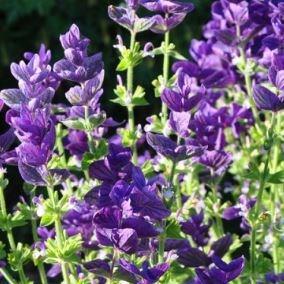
(248,83)
(166,66)
(59,233)
(162,237)
(60,148)
(130,108)
(274,199)
(8,277)
(40,265)
(219,223)
(4,212)
(89,133)
(259,203)
(10,236)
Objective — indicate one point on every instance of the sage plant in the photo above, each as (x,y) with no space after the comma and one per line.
(200,202)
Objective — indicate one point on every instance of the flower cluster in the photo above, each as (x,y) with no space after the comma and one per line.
(193,195)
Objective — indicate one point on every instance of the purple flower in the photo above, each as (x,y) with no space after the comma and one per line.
(165,24)
(266,100)
(6,141)
(179,122)
(167,6)
(168,148)
(274,278)
(173,13)
(240,119)
(127,18)
(221,246)
(36,132)
(79,220)
(195,257)
(240,210)
(181,98)
(133,4)
(76,143)
(208,124)
(88,93)
(145,275)
(37,82)
(220,272)
(77,66)
(216,161)
(126,240)
(146,202)
(117,165)
(98,266)
(196,229)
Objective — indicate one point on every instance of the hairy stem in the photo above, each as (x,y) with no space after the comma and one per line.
(10,236)
(259,203)
(40,265)
(59,234)
(274,198)
(166,74)
(60,148)
(130,108)
(89,133)
(219,224)
(162,237)
(7,276)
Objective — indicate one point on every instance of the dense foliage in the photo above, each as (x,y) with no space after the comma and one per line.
(191,195)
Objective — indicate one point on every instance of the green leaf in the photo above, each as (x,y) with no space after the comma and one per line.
(138,97)
(128,137)
(20,256)
(253,173)
(87,160)
(95,120)
(77,124)
(130,58)
(173,230)
(276,178)
(139,102)
(63,252)
(2,251)
(47,219)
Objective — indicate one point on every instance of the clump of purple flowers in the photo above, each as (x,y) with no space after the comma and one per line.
(151,203)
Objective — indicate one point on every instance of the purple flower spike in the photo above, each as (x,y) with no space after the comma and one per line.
(72,39)
(220,273)
(221,246)
(266,100)
(127,18)
(241,210)
(6,141)
(274,278)
(148,204)
(179,122)
(163,24)
(173,13)
(196,229)
(193,257)
(133,4)
(126,240)
(148,275)
(167,6)
(77,66)
(216,161)
(180,98)
(168,148)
